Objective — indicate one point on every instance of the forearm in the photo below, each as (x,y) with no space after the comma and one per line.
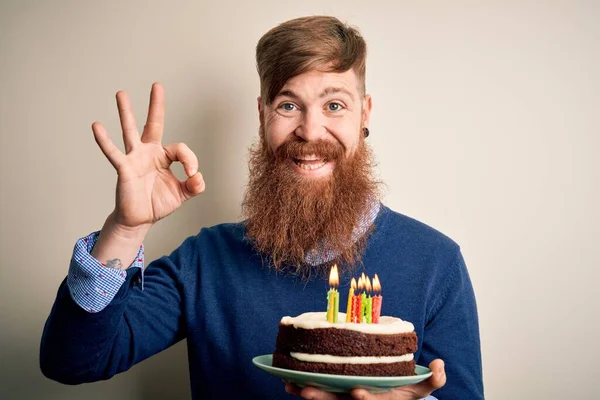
(102,322)
(87,319)
(78,346)
(117,247)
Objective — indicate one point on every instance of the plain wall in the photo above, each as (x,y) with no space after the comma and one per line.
(485,126)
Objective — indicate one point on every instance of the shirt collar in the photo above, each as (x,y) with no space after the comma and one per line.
(322,254)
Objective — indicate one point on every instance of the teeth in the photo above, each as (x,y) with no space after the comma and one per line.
(310,167)
(311,157)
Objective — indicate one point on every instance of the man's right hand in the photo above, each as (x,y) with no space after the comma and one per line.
(147,189)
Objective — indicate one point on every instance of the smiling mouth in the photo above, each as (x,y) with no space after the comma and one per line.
(310,162)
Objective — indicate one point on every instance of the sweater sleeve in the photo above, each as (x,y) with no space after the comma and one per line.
(452,334)
(79,346)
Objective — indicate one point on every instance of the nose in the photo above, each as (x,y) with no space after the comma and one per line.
(311,127)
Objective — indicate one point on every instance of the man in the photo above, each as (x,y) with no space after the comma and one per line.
(311,202)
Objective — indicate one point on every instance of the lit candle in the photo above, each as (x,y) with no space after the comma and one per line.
(333,296)
(377,300)
(329,305)
(357,304)
(336,305)
(369,305)
(350,297)
(363,299)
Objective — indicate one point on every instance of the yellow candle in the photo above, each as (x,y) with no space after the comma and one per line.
(330,305)
(336,305)
(332,309)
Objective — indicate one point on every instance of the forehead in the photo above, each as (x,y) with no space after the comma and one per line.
(317,83)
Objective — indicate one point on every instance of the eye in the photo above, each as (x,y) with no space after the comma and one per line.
(334,106)
(287,107)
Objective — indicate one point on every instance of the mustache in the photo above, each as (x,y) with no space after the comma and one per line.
(294,148)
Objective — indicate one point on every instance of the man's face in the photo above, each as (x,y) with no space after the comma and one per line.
(310,181)
(316,106)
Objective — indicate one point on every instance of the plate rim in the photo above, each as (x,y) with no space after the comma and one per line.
(371,379)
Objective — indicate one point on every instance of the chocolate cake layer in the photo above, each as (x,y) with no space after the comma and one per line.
(343,342)
(406,368)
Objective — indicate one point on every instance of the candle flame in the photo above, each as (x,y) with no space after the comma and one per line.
(368,285)
(353,284)
(334,279)
(361,284)
(376,284)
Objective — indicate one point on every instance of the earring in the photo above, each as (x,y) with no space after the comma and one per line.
(366,131)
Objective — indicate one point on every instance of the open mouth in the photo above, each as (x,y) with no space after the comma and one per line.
(310,162)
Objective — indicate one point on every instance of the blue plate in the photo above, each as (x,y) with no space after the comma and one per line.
(340,383)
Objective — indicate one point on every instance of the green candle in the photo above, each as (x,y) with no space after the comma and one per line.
(369,309)
(363,298)
(363,306)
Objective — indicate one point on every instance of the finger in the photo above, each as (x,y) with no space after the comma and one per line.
(435,381)
(292,389)
(315,394)
(109,149)
(193,186)
(362,394)
(155,121)
(130,133)
(182,153)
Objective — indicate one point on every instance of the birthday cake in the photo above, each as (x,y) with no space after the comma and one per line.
(310,343)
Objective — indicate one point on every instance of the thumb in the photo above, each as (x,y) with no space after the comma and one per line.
(193,186)
(435,381)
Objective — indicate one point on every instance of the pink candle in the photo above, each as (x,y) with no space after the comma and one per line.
(377,300)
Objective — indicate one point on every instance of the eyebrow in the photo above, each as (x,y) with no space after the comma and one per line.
(326,92)
(333,89)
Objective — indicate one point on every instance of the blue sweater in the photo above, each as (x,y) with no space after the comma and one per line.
(215,291)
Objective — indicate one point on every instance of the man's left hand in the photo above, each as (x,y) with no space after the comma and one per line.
(408,392)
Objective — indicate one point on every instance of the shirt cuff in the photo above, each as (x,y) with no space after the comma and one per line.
(92,285)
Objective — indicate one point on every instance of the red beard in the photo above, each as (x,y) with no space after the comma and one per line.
(288,214)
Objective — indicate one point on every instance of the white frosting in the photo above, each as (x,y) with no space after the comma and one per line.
(325,358)
(314,320)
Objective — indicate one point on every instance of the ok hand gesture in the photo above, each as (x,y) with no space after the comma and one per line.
(147,190)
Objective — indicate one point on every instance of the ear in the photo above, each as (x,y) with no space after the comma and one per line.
(261,111)
(366,110)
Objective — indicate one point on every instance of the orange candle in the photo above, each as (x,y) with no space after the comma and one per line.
(350,297)
(369,305)
(357,303)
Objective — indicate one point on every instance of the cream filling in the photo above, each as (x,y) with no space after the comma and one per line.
(325,358)
(314,320)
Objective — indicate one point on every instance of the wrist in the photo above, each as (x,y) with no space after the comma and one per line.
(125,233)
(118,245)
